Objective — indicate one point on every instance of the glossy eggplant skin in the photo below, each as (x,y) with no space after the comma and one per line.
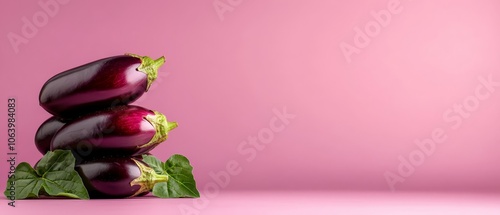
(119,132)
(110,177)
(97,85)
(46,132)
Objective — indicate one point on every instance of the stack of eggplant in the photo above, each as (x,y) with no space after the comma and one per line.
(93,118)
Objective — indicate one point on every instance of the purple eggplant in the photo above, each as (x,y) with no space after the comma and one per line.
(101,84)
(118,177)
(118,132)
(45,132)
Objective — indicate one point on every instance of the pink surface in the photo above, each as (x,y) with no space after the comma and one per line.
(278,202)
(428,74)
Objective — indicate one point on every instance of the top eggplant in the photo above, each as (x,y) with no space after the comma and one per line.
(109,82)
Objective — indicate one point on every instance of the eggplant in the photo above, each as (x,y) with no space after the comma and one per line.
(119,132)
(46,132)
(105,83)
(118,177)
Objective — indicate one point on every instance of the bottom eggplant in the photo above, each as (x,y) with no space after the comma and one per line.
(118,177)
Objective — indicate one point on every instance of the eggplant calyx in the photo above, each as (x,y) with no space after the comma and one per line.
(147,179)
(149,67)
(162,127)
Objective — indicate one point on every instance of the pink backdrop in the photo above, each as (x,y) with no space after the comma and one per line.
(360,88)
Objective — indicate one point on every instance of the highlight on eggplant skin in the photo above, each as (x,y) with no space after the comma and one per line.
(46,132)
(119,132)
(117,177)
(105,83)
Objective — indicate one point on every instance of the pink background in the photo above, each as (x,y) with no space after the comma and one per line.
(223,78)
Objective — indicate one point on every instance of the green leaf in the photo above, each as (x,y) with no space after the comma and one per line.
(162,190)
(58,160)
(62,183)
(54,175)
(181,182)
(154,163)
(26,182)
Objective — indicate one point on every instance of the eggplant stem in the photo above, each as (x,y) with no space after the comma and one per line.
(147,179)
(149,67)
(162,127)
(157,178)
(171,125)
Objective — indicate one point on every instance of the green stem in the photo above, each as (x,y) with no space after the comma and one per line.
(162,127)
(157,178)
(171,126)
(147,179)
(149,67)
